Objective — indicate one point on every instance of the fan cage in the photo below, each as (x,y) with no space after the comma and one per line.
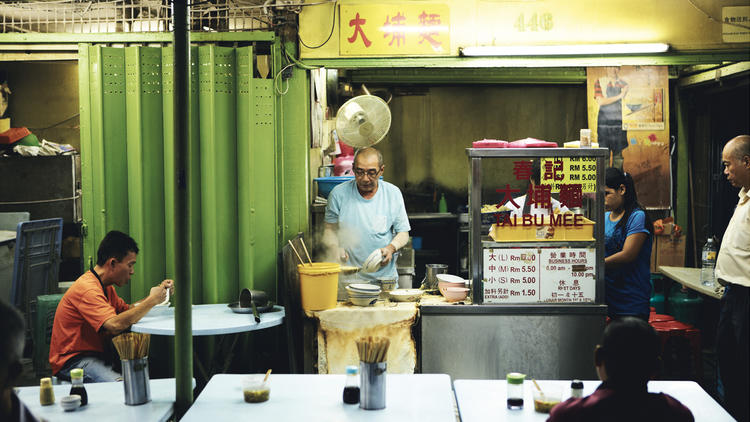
(81,17)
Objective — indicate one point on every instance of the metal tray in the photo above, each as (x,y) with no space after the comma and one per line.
(235,307)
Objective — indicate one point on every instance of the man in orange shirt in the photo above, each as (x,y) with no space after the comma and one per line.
(90,312)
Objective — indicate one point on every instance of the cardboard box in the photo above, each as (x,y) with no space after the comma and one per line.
(667,250)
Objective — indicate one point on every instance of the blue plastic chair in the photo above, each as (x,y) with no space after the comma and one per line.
(37,261)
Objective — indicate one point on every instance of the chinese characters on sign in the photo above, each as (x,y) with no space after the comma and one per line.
(571,177)
(539,275)
(735,24)
(394,29)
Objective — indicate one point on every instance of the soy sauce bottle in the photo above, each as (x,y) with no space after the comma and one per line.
(76,378)
(351,388)
(515,390)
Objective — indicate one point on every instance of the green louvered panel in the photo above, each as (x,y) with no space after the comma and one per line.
(145,158)
(264,195)
(167,85)
(295,127)
(195,237)
(194,271)
(105,199)
(245,125)
(88,205)
(218,172)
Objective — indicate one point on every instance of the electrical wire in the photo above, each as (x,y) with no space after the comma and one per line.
(275,79)
(333,26)
(59,123)
(714,19)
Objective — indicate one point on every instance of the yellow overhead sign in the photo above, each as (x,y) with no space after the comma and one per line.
(569,171)
(394,29)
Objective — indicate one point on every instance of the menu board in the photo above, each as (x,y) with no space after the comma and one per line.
(539,275)
(558,172)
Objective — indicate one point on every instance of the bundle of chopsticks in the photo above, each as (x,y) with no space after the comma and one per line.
(372,349)
(132,345)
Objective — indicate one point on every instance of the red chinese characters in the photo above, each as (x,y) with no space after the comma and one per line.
(522,169)
(394,28)
(553,170)
(428,21)
(571,195)
(357,23)
(508,195)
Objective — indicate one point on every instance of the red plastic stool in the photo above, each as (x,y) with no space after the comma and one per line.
(652,309)
(675,329)
(654,317)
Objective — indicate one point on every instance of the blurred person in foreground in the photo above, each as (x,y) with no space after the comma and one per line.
(91,313)
(733,272)
(626,359)
(367,214)
(12,336)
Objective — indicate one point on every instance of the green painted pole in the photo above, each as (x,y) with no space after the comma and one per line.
(183,290)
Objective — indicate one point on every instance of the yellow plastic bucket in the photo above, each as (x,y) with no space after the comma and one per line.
(319,285)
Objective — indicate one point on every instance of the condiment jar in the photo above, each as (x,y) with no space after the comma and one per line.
(46,393)
(576,389)
(515,390)
(76,378)
(351,387)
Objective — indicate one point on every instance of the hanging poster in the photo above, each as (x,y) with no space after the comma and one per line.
(628,109)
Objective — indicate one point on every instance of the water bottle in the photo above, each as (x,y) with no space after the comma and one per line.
(708,263)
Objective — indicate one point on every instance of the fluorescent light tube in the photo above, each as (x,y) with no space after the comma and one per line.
(564,50)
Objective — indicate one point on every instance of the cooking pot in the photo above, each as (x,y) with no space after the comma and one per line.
(430,281)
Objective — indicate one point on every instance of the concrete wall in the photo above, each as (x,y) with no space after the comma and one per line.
(425,153)
(45,94)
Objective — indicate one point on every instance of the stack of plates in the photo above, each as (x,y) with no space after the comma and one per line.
(362,294)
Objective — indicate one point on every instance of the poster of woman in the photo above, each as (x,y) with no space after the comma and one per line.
(628,114)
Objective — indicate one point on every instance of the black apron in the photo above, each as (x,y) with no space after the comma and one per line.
(609,123)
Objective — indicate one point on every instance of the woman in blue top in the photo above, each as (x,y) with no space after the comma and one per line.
(627,248)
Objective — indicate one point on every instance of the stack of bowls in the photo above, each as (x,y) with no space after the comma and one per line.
(362,294)
(452,287)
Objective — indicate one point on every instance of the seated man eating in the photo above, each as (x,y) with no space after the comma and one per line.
(90,312)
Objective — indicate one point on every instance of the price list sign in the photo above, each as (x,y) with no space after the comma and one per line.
(511,276)
(568,275)
(539,275)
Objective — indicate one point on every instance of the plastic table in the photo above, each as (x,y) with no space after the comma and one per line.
(483,400)
(319,398)
(106,403)
(212,319)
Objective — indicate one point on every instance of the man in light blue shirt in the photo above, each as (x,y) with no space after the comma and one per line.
(366,214)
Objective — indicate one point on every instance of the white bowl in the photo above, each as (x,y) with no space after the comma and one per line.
(366,301)
(70,403)
(451,279)
(405,295)
(372,263)
(363,288)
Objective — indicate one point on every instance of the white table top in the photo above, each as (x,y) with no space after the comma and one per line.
(209,320)
(7,236)
(106,403)
(691,278)
(319,398)
(483,400)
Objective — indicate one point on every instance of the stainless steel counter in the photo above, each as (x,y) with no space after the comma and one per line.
(488,341)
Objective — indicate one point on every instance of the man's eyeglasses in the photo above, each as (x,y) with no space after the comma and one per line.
(370,172)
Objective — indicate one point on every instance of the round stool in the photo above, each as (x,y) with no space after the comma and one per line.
(676,330)
(654,317)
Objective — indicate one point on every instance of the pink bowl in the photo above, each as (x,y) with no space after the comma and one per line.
(454,294)
(442,285)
